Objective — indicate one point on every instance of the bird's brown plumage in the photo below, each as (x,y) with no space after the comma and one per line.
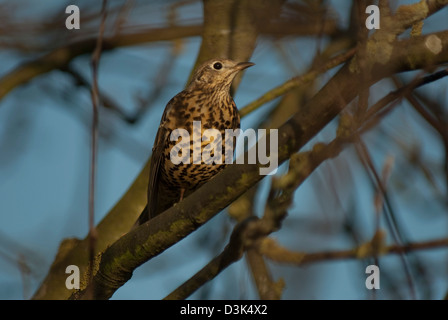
(206,99)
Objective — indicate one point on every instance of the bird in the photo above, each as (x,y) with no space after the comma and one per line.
(206,99)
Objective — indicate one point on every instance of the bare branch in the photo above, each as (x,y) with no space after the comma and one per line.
(272,250)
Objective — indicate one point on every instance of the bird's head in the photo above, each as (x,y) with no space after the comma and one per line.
(216,74)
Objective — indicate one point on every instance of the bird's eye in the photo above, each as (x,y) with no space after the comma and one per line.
(217,65)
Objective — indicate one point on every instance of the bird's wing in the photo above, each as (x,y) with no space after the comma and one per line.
(156,161)
(155,168)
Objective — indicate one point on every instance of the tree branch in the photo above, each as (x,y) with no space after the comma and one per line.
(61,57)
(273,251)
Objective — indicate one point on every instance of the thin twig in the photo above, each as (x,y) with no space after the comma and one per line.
(366,159)
(273,251)
(104,100)
(95,100)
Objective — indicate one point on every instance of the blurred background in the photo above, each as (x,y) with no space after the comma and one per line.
(45,121)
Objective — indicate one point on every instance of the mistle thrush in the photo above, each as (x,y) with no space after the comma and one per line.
(206,99)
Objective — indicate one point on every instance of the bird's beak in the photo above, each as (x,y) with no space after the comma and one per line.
(244,65)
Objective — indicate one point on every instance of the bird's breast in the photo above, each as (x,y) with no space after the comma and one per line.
(205,121)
